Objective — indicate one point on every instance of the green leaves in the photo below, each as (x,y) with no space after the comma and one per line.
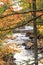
(39,21)
(23,3)
(2,9)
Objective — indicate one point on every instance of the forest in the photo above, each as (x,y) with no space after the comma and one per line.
(15,15)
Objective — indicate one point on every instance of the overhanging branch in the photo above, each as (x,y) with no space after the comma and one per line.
(14,13)
(20,25)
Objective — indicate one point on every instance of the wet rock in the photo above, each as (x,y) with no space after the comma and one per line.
(24,44)
(27,48)
(29,45)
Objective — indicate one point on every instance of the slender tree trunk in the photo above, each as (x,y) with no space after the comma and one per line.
(35,33)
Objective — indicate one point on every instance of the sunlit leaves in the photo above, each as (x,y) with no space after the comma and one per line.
(39,4)
(40,29)
(40,25)
(25,4)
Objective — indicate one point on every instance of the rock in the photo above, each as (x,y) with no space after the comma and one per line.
(24,44)
(29,45)
(27,48)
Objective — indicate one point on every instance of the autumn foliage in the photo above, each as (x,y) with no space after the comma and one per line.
(12,20)
(8,22)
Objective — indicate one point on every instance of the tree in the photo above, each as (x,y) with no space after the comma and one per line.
(14,20)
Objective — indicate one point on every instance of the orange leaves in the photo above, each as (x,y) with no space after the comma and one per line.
(42,17)
(9,48)
(6,1)
(1,24)
(29,0)
(8,11)
(17,18)
(13,20)
(2,62)
(38,13)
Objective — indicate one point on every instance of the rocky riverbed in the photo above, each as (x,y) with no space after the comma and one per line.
(27,52)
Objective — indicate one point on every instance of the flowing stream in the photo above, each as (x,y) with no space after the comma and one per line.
(24,55)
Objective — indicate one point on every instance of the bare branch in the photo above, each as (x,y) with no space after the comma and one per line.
(20,25)
(14,13)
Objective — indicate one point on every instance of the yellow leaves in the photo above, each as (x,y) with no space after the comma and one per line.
(6,49)
(9,2)
(41,61)
(42,17)
(12,21)
(40,28)
(9,48)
